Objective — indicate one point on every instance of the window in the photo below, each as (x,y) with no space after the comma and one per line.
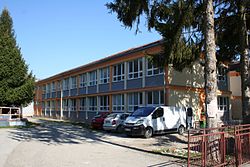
(222,103)
(152,69)
(83,104)
(66,84)
(155,98)
(92,78)
(104,75)
(134,101)
(221,74)
(53,106)
(59,86)
(104,103)
(53,87)
(93,103)
(83,80)
(48,105)
(118,72)
(118,102)
(73,82)
(58,105)
(44,89)
(135,69)
(73,105)
(43,106)
(48,88)
(65,105)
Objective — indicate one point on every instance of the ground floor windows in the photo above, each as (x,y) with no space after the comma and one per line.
(92,103)
(73,105)
(223,103)
(118,102)
(134,100)
(155,98)
(104,103)
(83,104)
(65,105)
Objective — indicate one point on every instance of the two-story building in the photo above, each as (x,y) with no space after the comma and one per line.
(124,81)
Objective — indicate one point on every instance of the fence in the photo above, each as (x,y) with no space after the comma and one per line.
(225,146)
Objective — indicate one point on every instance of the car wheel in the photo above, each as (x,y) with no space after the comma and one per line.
(119,129)
(148,132)
(181,130)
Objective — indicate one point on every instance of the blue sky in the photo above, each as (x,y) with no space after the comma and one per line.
(58,35)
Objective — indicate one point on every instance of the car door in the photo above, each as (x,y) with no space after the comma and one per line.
(158,120)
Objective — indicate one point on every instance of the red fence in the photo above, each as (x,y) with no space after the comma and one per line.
(224,146)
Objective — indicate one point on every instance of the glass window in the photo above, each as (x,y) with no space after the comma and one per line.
(73,82)
(155,98)
(104,75)
(118,102)
(43,106)
(92,78)
(73,104)
(83,80)
(58,85)
(53,87)
(153,69)
(134,101)
(221,74)
(135,69)
(118,72)
(66,84)
(93,103)
(104,103)
(83,104)
(44,89)
(65,105)
(48,105)
(223,103)
(58,105)
(48,88)
(53,106)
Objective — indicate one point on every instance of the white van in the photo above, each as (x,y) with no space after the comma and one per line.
(147,121)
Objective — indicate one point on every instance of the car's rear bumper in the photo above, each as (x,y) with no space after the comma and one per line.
(106,127)
(134,130)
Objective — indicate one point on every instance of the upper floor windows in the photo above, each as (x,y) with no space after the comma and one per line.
(153,69)
(135,69)
(118,72)
(104,75)
(66,84)
(221,74)
(73,82)
(59,86)
(83,80)
(92,78)
(44,89)
(53,87)
(48,88)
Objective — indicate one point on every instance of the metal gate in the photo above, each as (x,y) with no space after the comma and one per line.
(229,145)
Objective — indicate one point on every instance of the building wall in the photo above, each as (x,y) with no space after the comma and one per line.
(155,86)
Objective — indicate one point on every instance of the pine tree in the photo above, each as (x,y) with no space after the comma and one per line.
(187,28)
(16,83)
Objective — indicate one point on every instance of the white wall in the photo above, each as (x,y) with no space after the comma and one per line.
(28,111)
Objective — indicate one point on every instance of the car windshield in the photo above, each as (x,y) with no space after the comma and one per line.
(111,116)
(143,111)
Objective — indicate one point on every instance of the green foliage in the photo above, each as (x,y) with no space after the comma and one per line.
(16,84)
(177,21)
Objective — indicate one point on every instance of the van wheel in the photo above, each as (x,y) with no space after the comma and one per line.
(181,130)
(148,132)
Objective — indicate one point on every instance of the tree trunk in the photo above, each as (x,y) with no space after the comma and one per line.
(210,67)
(244,52)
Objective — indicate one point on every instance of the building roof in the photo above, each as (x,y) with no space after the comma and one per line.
(106,59)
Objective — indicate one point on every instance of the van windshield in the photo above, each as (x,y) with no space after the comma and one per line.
(143,111)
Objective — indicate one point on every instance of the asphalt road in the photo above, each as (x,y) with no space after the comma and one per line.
(64,145)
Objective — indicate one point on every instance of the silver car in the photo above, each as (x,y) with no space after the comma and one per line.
(114,122)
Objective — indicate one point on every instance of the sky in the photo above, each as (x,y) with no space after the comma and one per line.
(58,35)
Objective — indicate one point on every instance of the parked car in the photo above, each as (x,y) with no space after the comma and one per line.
(97,121)
(147,121)
(114,122)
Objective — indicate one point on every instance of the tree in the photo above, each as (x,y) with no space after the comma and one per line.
(187,28)
(16,84)
(233,44)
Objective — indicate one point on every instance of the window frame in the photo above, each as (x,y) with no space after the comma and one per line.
(135,99)
(104,103)
(153,69)
(83,80)
(118,102)
(104,75)
(92,79)
(135,69)
(116,76)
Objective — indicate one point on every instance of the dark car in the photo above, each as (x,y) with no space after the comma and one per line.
(98,120)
